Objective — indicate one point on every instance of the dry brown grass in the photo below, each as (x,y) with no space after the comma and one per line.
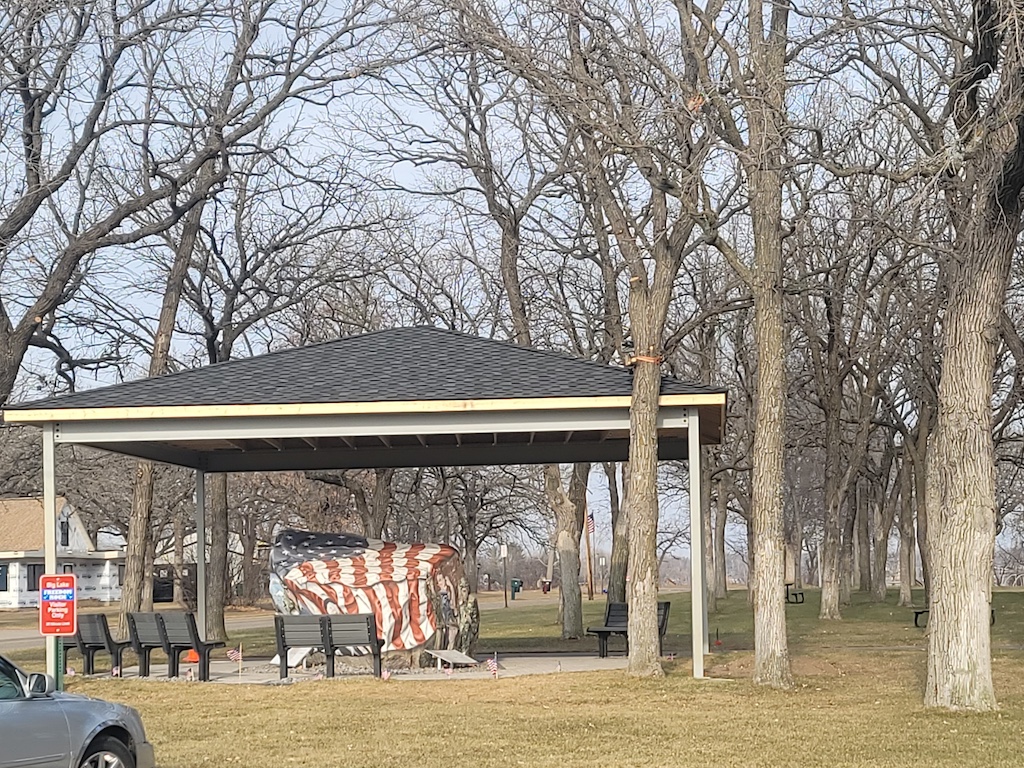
(850,709)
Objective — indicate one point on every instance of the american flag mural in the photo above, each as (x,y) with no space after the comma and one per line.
(317,573)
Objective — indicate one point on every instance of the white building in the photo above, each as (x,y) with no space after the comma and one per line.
(22,541)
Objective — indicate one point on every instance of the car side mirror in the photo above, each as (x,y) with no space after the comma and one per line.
(41,685)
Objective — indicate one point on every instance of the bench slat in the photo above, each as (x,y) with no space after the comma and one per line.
(147,629)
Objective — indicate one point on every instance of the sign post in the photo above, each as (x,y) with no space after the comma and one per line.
(58,613)
(504,561)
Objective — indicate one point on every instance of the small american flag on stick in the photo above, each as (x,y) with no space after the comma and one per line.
(235,654)
(492,666)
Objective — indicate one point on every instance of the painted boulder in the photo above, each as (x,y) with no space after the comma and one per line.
(405,586)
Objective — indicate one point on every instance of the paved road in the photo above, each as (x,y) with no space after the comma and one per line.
(22,639)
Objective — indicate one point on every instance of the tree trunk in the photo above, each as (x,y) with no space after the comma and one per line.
(921,497)
(961,471)
(147,581)
(179,561)
(217,580)
(643,507)
(469,605)
(721,581)
(829,567)
(138,535)
(619,561)
(567,544)
(908,566)
(750,561)
(140,519)
(251,587)
(863,533)
(709,532)
(771,646)
(880,562)
(846,573)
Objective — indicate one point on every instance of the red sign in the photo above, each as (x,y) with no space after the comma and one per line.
(57,614)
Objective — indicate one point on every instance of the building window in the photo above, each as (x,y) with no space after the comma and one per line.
(35,572)
(120,574)
(4,570)
(69,568)
(65,533)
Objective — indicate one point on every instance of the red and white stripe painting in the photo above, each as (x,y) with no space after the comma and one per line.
(392,581)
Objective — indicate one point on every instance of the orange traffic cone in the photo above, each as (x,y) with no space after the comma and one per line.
(192,657)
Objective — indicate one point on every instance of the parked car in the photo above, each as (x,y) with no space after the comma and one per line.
(44,728)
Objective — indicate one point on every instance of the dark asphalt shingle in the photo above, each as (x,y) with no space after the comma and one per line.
(400,364)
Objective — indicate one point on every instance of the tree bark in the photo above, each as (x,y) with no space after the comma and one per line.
(709,532)
(720,583)
(217,576)
(829,567)
(863,534)
(921,498)
(846,574)
(619,560)
(908,548)
(643,513)
(567,544)
(961,471)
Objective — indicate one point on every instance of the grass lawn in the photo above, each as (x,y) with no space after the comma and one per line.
(857,703)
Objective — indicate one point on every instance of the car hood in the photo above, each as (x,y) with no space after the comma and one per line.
(86,715)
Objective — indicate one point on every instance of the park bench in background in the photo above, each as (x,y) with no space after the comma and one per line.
(616,620)
(182,635)
(147,635)
(347,634)
(794,595)
(919,612)
(92,637)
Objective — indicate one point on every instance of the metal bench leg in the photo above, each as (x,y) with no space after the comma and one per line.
(173,662)
(602,645)
(283,665)
(204,664)
(89,661)
(377,664)
(329,657)
(144,661)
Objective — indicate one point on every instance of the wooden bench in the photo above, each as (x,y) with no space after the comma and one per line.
(919,612)
(182,635)
(616,621)
(147,635)
(794,595)
(92,637)
(346,634)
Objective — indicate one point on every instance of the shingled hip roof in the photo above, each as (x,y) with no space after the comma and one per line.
(397,365)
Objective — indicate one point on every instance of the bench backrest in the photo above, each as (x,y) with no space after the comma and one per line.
(616,615)
(146,629)
(93,629)
(300,631)
(352,629)
(663,608)
(180,628)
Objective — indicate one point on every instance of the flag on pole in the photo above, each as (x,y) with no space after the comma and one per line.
(235,654)
(492,666)
(590,523)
